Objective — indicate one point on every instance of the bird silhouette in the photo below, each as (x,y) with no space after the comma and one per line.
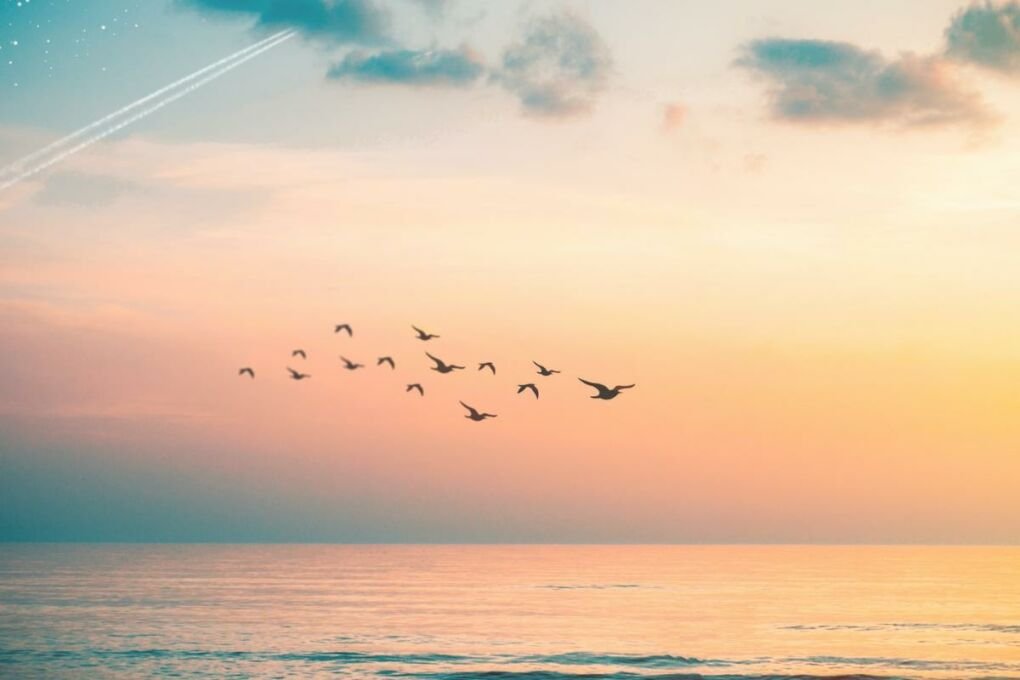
(385,360)
(542,370)
(605,392)
(416,386)
(350,365)
(299,353)
(422,335)
(489,365)
(247,370)
(297,375)
(344,327)
(528,386)
(441,366)
(474,415)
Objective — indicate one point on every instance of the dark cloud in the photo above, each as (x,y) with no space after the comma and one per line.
(456,68)
(558,68)
(987,35)
(821,81)
(335,21)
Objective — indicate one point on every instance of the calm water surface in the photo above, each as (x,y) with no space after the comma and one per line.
(550,612)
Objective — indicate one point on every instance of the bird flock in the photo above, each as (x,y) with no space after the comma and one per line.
(603,392)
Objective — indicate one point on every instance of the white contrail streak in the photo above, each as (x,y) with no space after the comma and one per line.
(231,62)
(19,164)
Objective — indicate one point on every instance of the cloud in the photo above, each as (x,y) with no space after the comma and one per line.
(558,68)
(434,8)
(987,35)
(456,68)
(835,82)
(82,190)
(334,21)
(673,116)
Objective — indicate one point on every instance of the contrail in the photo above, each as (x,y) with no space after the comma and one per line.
(232,62)
(19,164)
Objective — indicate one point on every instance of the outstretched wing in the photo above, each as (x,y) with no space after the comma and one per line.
(624,387)
(439,362)
(293,373)
(472,411)
(598,386)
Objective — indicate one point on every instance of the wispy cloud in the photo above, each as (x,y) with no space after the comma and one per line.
(456,68)
(817,81)
(558,68)
(674,114)
(987,35)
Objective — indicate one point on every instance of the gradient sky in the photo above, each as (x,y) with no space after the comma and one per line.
(794,224)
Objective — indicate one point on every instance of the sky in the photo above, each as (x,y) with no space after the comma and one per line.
(792,224)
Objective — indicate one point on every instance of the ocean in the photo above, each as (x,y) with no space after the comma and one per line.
(515,612)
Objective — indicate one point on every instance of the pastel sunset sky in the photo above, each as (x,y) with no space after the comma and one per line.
(794,224)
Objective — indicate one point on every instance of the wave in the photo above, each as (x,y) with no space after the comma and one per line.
(594,586)
(599,666)
(1011,629)
(557,675)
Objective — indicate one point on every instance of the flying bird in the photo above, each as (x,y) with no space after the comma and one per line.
(416,386)
(474,415)
(605,392)
(299,353)
(297,375)
(385,360)
(542,370)
(441,366)
(489,365)
(422,335)
(528,386)
(344,327)
(247,371)
(350,365)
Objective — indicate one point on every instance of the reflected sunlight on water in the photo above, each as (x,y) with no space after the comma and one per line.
(509,611)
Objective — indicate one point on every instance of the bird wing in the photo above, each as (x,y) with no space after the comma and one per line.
(624,387)
(533,389)
(419,331)
(293,373)
(539,365)
(473,411)
(439,362)
(598,386)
